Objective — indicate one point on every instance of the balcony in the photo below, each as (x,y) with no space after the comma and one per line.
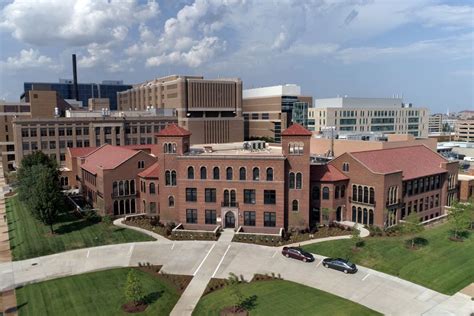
(229,204)
(116,196)
(361,203)
(397,203)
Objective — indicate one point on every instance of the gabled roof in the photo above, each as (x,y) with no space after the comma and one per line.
(296,130)
(326,173)
(151,172)
(173,130)
(107,157)
(413,161)
(81,151)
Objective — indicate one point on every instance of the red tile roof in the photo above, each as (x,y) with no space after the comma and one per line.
(150,172)
(173,130)
(107,157)
(326,173)
(414,161)
(81,151)
(296,130)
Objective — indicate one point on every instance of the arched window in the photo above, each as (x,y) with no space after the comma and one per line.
(121,191)
(366,195)
(269,174)
(345,167)
(127,187)
(174,148)
(203,173)
(115,189)
(354,192)
(144,207)
(170,148)
(232,198)
(190,172)
(343,190)
(256,174)
(116,208)
(152,188)
(294,206)
(122,207)
(325,193)
(165,148)
(173,178)
(299,180)
(215,173)
(228,173)
(336,192)
(242,173)
(371,217)
(365,216)
(132,206)
(292,181)
(171,201)
(315,193)
(354,214)
(359,215)
(132,187)
(360,197)
(372,196)
(167,177)
(226,198)
(127,206)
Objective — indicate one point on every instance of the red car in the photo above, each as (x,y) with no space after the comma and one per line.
(297,253)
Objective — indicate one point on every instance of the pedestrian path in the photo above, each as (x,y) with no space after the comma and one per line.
(7,298)
(207,269)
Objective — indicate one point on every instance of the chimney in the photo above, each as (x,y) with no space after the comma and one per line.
(74,74)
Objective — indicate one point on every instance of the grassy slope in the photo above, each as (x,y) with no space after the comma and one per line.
(442,265)
(97,293)
(30,238)
(282,298)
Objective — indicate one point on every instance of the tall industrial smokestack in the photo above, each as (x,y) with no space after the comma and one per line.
(74,74)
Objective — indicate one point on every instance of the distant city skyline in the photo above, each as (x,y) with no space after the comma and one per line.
(422,49)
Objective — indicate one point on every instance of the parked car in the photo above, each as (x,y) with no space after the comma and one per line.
(340,264)
(297,253)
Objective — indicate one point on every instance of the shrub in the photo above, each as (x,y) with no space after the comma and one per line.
(92,217)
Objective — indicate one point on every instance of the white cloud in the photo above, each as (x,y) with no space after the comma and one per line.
(76,23)
(449,16)
(27,59)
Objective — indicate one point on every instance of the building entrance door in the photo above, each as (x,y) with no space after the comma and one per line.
(229,220)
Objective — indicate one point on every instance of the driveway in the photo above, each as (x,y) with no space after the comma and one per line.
(378,291)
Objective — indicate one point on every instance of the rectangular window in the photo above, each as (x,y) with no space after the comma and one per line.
(265,116)
(33,132)
(269,197)
(191,216)
(44,132)
(52,145)
(191,194)
(78,131)
(249,218)
(254,116)
(249,196)
(52,132)
(211,217)
(61,131)
(69,131)
(210,195)
(25,132)
(269,219)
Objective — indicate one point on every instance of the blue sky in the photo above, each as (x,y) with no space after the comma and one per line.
(423,49)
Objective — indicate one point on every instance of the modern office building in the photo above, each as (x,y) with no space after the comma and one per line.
(269,110)
(378,115)
(210,108)
(65,88)
(435,123)
(464,130)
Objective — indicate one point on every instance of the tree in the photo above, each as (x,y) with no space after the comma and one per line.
(355,236)
(412,226)
(326,214)
(133,289)
(233,285)
(39,187)
(459,217)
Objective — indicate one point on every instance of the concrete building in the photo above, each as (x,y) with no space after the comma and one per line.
(464,130)
(379,115)
(65,89)
(268,111)
(210,108)
(435,123)
(466,187)
(382,187)
(322,145)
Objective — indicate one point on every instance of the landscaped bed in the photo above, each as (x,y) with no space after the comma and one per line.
(30,238)
(269,296)
(292,237)
(97,293)
(438,263)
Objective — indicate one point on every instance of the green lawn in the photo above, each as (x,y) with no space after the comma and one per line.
(97,293)
(30,238)
(278,297)
(442,265)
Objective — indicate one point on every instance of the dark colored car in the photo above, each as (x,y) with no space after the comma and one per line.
(340,264)
(297,253)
